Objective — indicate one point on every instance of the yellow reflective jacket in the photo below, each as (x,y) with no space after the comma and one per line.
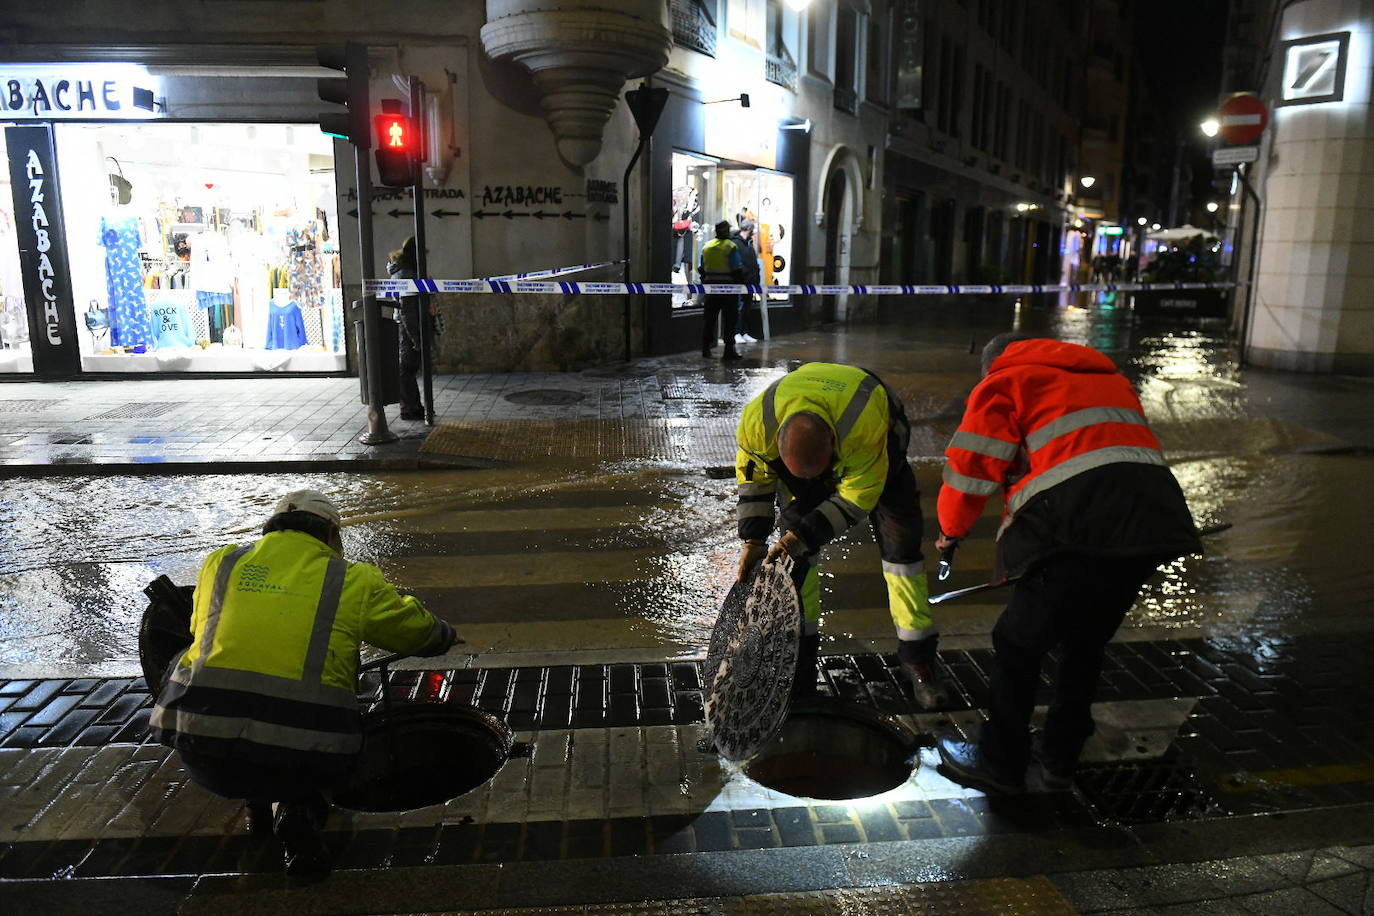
(271,674)
(855,405)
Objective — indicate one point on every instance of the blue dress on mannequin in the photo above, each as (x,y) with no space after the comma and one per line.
(129,319)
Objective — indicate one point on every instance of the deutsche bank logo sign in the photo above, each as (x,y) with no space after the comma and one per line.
(1314,69)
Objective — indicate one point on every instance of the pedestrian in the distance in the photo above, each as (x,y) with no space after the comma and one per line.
(827,443)
(402,265)
(1091,509)
(750,262)
(263,704)
(721,262)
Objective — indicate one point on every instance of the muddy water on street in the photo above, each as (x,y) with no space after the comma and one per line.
(637,555)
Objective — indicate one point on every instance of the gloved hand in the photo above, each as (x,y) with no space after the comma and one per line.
(750,553)
(791,544)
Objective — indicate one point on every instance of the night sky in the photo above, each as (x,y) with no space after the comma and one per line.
(1180,46)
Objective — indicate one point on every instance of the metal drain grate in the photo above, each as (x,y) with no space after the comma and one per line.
(20,405)
(545,397)
(1145,792)
(139,410)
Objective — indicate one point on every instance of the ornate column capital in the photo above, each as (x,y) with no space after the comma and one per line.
(580,53)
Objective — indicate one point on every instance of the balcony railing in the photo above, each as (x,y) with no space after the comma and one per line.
(694,27)
(781,69)
(846,99)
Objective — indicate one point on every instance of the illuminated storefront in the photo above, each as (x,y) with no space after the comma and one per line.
(135,242)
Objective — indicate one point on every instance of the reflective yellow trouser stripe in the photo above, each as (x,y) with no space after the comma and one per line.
(811,595)
(908,597)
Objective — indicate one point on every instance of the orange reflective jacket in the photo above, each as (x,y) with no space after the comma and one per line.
(1047,412)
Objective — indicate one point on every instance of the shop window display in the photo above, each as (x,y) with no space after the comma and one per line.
(216,252)
(757,202)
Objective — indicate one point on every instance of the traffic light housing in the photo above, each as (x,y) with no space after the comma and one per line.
(398,146)
(350,91)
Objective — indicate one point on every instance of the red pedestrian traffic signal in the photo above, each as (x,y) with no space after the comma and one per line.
(398,147)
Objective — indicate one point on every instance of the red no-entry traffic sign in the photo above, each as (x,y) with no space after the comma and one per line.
(1242,118)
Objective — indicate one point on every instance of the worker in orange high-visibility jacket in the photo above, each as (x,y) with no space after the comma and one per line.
(262,705)
(1090,510)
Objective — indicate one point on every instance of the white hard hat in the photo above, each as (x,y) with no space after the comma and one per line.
(312,501)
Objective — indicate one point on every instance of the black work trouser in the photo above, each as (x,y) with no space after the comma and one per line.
(1072,601)
(410,388)
(260,785)
(713,308)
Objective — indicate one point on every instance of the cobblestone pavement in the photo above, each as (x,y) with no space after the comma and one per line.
(1230,773)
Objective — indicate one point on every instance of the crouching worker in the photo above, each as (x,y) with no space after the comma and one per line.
(262,706)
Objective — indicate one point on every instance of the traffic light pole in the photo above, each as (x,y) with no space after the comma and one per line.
(426,322)
(377,431)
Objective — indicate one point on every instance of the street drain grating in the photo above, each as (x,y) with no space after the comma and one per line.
(545,397)
(21,405)
(139,410)
(1145,792)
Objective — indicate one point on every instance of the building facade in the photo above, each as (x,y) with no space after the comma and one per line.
(1306,205)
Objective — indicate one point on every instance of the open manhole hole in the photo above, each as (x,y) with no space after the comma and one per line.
(545,397)
(419,754)
(835,751)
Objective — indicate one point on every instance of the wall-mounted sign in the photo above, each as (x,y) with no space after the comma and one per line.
(80,92)
(1234,155)
(42,248)
(1314,69)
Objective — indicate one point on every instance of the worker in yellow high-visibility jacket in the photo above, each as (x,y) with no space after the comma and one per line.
(263,704)
(828,442)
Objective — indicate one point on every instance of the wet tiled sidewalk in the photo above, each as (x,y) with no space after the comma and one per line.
(1274,729)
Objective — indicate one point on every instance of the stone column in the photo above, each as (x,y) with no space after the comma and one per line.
(581,53)
(1314,299)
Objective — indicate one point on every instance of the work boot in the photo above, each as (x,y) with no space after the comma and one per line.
(963,762)
(258,819)
(919,663)
(1056,775)
(808,656)
(303,851)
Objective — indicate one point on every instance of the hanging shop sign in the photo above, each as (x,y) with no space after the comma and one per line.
(42,248)
(80,92)
(1314,69)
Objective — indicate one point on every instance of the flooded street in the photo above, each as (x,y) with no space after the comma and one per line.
(632,554)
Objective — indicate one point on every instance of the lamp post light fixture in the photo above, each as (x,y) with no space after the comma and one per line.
(1212,206)
(1142,221)
(1210,127)
(1087,181)
(1155,227)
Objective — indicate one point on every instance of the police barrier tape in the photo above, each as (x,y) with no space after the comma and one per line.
(571,287)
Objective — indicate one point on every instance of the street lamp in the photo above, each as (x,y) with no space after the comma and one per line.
(1087,181)
(1212,206)
(1210,127)
(1155,227)
(1142,221)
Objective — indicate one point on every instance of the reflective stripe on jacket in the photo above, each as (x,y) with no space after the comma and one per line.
(855,405)
(271,674)
(1047,412)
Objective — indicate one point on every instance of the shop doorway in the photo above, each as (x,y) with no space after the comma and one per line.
(203,247)
(16,353)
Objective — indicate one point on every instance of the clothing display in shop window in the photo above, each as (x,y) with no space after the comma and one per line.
(212,270)
(233,337)
(171,326)
(285,326)
(305,268)
(219,309)
(129,319)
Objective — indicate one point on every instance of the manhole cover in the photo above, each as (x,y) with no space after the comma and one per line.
(23,405)
(1145,792)
(138,411)
(545,397)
